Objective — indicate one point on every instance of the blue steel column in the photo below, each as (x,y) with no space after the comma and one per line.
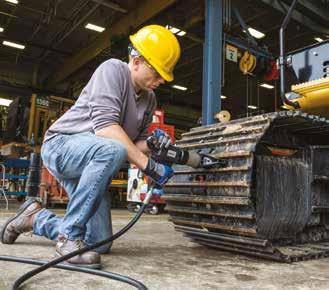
(212,61)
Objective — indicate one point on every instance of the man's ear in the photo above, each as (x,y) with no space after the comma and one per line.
(136,60)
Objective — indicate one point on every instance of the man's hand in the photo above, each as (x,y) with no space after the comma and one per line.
(158,140)
(158,191)
(160,173)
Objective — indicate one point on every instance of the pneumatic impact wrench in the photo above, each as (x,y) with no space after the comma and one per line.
(171,154)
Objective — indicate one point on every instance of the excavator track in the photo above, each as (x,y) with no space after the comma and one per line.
(270,200)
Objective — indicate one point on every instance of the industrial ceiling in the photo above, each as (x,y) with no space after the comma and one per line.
(60,53)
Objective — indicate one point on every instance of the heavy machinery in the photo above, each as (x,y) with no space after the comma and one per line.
(271,199)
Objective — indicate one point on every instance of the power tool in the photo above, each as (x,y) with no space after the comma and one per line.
(171,154)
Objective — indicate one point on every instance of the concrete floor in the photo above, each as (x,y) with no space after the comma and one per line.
(161,258)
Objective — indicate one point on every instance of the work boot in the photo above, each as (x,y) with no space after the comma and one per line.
(88,259)
(22,222)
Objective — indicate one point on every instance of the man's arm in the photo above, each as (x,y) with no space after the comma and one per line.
(135,155)
(142,146)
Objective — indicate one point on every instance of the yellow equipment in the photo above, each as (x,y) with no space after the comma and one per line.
(44,111)
(270,200)
(247,63)
(314,96)
(307,72)
(159,47)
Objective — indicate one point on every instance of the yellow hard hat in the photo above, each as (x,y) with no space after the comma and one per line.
(159,47)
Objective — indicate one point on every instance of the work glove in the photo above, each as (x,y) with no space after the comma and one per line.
(158,140)
(158,191)
(158,172)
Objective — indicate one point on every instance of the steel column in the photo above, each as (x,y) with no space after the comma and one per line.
(212,66)
(282,59)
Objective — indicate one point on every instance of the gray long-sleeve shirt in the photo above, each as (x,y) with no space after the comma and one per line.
(108,98)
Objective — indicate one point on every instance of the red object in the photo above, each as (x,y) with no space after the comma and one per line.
(158,116)
(51,190)
(273,74)
(156,198)
(158,123)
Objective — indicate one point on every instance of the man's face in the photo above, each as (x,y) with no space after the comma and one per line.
(146,77)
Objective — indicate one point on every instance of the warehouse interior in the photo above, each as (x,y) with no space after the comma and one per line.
(249,98)
(60,54)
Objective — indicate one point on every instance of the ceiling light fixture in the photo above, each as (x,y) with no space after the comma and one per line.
(12,1)
(318,39)
(252,107)
(179,87)
(255,33)
(1,29)
(94,27)
(223,97)
(13,44)
(266,86)
(5,102)
(175,30)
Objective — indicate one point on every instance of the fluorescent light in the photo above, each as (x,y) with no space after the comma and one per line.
(5,102)
(94,27)
(223,97)
(173,29)
(267,86)
(13,44)
(1,29)
(179,87)
(12,1)
(252,107)
(318,39)
(181,33)
(255,33)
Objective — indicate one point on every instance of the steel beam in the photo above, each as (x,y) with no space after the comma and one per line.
(297,16)
(77,21)
(147,10)
(244,26)
(241,43)
(8,14)
(319,10)
(111,5)
(212,67)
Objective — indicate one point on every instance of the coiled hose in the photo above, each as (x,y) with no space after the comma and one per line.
(55,263)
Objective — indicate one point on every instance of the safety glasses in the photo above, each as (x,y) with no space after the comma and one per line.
(153,70)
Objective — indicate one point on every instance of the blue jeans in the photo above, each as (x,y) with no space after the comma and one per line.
(85,164)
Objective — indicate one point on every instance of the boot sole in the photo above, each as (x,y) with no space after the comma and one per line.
(88,266)
(22,208)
